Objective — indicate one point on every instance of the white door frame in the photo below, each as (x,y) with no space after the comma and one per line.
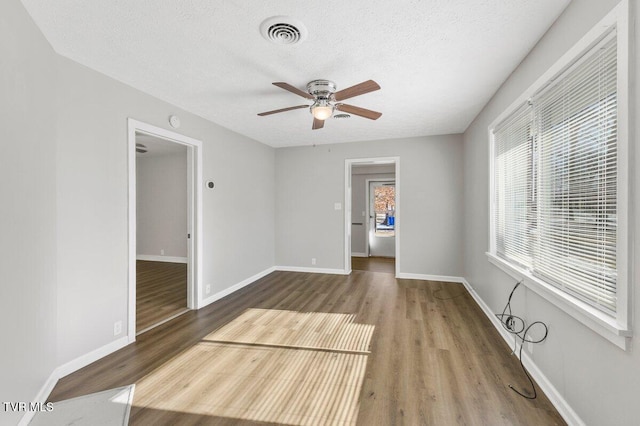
(367,183)
(348,164)
(194,215)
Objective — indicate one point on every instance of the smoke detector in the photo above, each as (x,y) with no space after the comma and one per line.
(283,30)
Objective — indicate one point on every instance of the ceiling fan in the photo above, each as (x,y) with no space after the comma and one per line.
(326,100)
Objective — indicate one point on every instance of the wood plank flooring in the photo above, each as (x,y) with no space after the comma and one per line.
(374,264)
(432,358)
(161,292)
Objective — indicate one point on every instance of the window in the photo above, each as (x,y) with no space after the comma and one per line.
(559,212)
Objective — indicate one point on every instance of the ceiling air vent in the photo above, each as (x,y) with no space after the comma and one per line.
(283,30)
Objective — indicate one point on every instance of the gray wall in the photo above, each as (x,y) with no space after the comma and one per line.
(161,204)
(28,208)
(65,222)
(600,381)
(309,180)
(92,203)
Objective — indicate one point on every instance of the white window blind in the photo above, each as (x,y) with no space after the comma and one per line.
(555,180)
(576,121)
(514,187)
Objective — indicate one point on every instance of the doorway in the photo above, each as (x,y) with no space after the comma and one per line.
(372,236)
(161,231)
(164,226)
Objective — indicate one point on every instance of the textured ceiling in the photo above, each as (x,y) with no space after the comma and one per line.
(438,61)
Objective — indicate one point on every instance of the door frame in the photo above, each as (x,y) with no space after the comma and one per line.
(367,250)
(348,164)
(194,215)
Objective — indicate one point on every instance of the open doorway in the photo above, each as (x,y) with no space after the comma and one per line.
(161,231)
(164,226)
(372,215)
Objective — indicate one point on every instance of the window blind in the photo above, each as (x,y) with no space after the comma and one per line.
(513,182)
(555,180)
(576,126)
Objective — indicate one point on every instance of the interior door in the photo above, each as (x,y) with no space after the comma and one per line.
(382,207)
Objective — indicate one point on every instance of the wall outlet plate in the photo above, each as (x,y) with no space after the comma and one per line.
(117,328)
(207,289)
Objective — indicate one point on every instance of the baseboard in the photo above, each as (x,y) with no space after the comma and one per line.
(424,277)
(41,397)
(556,398)
(156,258)
(358,255)
(71,367)
(93,356)
(227,291)
(312,270)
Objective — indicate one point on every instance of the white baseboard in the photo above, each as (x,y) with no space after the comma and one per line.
(359,255)
(41,397)
(227,291)
(93,356)
(556,398)
(312,270)
(443,278)
(70,367)
(156,258)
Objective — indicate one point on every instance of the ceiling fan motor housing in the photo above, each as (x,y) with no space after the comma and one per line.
(321,88)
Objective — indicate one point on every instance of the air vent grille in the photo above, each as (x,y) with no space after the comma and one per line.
(283,30)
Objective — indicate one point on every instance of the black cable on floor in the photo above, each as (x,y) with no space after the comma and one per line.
(516,326)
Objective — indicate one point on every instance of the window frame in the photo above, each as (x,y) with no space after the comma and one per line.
(615,328)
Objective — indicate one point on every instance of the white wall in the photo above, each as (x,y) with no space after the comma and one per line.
(309,180)
(598,380)
(359,202)
(27,209)
(161,204)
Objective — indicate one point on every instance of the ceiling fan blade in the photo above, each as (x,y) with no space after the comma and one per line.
(357,90)
(362,112)
(290,88)
(275,111)
(317,124)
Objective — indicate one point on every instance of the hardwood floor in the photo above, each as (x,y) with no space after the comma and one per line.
(374,264)
(161,292)
(315,349)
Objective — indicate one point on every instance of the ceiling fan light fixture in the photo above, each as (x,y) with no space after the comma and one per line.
(322,109)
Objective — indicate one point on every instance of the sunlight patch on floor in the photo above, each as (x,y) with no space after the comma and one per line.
(270,366)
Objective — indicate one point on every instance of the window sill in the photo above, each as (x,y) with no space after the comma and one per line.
(596,320)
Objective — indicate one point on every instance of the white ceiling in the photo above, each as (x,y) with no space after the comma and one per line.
(438,61)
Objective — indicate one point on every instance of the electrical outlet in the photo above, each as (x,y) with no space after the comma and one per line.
(162,252)
(117,328)
(313,260)
(207,289)
(529,344)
